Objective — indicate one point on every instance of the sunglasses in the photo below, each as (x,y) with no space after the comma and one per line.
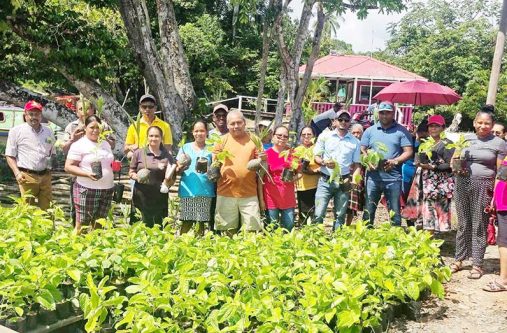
(341,120)
(282,136)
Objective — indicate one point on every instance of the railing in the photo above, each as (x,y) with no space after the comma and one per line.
(247,103)
(403,114)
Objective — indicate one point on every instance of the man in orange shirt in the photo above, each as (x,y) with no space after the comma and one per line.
(237,188)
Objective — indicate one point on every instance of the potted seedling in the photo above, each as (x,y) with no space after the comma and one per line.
(305,156)
(425,151)
(292,164)
(221,156)
(183,159)
(374,158)
(257,164)
(458,163)
(96,164)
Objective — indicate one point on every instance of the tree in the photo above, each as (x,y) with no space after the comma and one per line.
(497,58)
(291,55)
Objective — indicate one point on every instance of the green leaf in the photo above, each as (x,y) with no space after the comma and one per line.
(19,311)
(74,274)
(413,290)
(133,289)
(348,318)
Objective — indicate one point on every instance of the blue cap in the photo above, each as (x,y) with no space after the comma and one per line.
(386,106)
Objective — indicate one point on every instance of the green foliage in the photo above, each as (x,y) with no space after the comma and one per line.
(336,173)
(426,146)
(374,155)
(318,91)
(146,279)
(458,145)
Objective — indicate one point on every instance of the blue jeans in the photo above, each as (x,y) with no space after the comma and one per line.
(285,216)
(391,191)
(326,191)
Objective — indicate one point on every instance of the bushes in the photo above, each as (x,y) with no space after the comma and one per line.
(134,277)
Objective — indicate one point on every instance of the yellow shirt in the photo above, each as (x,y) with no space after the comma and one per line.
(141,141)
(309,182)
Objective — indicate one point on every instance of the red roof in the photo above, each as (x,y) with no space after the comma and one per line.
(359,66)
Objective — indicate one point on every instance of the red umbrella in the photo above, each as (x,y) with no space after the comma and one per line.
(418,92)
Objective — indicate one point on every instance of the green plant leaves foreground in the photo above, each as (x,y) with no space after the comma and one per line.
(147,280)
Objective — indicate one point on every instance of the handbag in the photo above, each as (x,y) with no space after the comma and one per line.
(491,231)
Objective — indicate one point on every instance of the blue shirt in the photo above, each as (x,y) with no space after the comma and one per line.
(266,146)
(192,183)
(343,150)
(395,138)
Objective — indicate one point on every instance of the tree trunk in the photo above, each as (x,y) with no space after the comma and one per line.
(54,112)
(497,58)
(298,122)
(137,23)
(280,103)
(171,49)
(266,40)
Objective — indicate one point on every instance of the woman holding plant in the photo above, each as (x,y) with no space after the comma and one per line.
(279,195)
(478,155)
(437,182)
(148,167)
(89,159)
(196,191)
(307,183)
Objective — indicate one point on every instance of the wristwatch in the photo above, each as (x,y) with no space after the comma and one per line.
(396,162)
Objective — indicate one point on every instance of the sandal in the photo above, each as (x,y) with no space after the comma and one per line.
(476,273)
(456,266)
(495,287)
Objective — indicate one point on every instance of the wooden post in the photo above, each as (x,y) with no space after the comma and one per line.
(355,90)
(497,58)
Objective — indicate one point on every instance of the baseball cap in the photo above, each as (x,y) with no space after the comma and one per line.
(33,106)
(436,119)
(147,96)
(386,106)
(265,123)
(220,107)
(342,112)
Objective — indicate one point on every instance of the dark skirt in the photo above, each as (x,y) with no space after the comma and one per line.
(306,204)
(153,205)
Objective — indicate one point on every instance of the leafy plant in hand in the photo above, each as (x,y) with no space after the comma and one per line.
(374,156)
(215,141)
(458,146)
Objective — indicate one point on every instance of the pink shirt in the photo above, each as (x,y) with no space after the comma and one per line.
(501,193)
(277,194)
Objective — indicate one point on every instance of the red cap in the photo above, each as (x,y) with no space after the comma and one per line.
(33,106)
(437,120)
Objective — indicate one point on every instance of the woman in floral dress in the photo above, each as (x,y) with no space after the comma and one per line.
(437,181)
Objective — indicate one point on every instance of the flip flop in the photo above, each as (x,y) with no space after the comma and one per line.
(456,266)
(476,273)
(494,287)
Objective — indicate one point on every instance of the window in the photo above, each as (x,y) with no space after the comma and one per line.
(364,94)
(2,117)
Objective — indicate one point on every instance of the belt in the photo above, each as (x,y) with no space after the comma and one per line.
(326,177)
(40,173)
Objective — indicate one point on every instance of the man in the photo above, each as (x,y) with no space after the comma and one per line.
(147,107)
(499,130)
(219,119)
(324,120)
(75,129)
(386,178)
(338,153)
(28,153)
(237,189)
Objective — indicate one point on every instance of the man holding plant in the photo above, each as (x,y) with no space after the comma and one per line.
(138,138)
(385,177)
(338,153)
(28,153)
(238,195)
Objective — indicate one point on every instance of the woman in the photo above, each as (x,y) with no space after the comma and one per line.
(196,191)
(146,195)
(279,196)
(474,189)
(92,194)
(437,181)
(500,203)
(309,177)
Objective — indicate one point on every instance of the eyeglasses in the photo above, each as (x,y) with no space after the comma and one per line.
(282,136)
(343,120)
(220,115)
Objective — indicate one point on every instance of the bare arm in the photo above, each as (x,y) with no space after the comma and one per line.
(13,164)
(260,195)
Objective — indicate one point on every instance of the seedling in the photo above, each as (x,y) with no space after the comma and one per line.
(458,163)
(374,155)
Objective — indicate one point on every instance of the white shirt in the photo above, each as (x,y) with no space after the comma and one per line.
(86,151)
(31,149)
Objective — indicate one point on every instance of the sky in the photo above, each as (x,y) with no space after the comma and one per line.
(365,35)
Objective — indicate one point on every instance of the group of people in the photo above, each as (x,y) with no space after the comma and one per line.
(343,168)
